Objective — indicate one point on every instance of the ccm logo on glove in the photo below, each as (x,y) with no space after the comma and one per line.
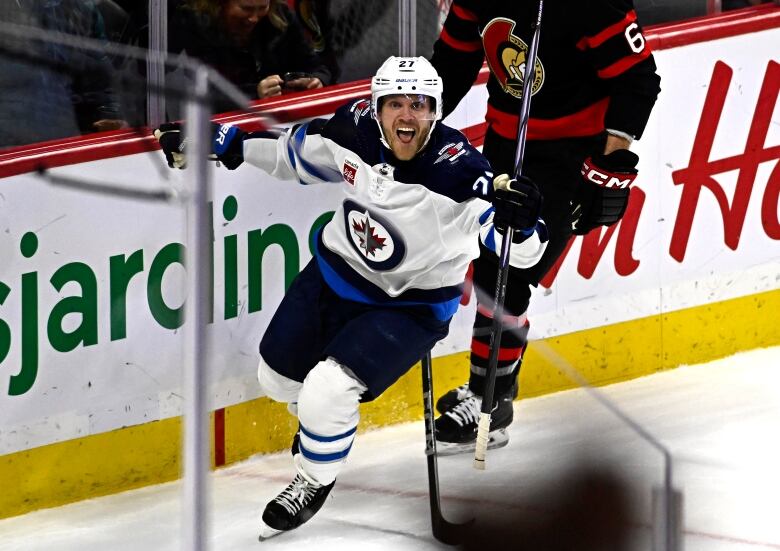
(602,198)
(604,177)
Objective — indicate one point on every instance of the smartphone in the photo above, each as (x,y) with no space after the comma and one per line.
(295,75)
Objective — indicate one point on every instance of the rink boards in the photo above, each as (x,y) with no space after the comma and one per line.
(91,296)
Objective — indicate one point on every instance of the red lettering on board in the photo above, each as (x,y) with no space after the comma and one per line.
(595,243)
(699,173)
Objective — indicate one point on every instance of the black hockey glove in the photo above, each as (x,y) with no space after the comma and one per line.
(228,145)
(172,143)
(602,197)
(517,204)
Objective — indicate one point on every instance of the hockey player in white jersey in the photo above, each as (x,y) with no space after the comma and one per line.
(388,269)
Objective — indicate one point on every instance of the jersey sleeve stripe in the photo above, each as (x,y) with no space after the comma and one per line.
(483,218)
(598,39)
(463,13)
(490,240)
(298,160)
(623,65)
(462,45)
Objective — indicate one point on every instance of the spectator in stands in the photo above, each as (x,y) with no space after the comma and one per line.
(333,30)
(317,25)
(116,20)
(253,43)
(57,91)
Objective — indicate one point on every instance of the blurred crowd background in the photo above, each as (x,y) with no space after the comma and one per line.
(266,48)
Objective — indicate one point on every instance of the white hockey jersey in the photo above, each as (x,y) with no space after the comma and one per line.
(405,231)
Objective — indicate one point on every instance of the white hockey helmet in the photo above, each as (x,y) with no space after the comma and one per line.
(410,76)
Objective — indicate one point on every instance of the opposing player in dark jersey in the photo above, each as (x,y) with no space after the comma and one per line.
(388,269)
(594,86)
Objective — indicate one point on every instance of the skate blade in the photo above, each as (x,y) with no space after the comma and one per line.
(496,439)
(267,532)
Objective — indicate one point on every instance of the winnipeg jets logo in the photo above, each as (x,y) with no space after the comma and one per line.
(370,241)
(360,108)
(450,151)
(506,57)
(372,237)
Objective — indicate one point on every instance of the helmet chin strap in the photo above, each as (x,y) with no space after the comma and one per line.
(428,137)
(382,134)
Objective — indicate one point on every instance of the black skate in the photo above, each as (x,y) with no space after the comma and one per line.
(453,397)
(456,429)
(295,505)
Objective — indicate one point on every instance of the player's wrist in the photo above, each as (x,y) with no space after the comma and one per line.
(621,134)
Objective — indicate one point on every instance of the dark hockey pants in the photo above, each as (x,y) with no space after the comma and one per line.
(555,167)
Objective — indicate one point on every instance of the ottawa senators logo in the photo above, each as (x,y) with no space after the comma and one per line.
(506,56)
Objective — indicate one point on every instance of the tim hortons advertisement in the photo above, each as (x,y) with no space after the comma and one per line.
(702,223)
(92,287)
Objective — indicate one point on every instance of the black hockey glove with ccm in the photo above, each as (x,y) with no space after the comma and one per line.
(602,197)
(517,204)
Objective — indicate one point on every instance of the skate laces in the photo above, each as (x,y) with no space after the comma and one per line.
(297,495)
(467,411)
(463,392)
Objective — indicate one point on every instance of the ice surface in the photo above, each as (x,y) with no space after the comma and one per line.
(720,421)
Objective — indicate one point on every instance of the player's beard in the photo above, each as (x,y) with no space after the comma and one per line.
(406,150)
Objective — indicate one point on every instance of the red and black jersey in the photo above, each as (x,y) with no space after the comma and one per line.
(594,68)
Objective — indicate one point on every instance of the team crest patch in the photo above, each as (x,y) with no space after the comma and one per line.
(369,240)
(360,108)
(450,151)
(372,237)
(349,171)
(506,56)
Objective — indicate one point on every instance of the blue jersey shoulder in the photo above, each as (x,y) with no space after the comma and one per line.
(353,128)
(454,167)
(449,164)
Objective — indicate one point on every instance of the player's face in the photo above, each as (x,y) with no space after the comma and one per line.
(240,17)
(406,122)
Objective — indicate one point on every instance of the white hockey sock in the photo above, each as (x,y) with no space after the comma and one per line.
(328,414)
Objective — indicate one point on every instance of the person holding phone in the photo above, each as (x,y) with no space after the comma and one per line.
(291,81)
(258,45)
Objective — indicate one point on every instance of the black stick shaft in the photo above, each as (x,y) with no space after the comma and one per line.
(443,530)
(503,271)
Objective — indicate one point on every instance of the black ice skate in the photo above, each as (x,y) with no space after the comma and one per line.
(456,430)
(453,397)
(295,505)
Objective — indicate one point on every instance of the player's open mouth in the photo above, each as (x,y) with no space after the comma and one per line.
(405,134)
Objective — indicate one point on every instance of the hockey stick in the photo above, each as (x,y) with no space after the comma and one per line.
(483,430)
(443,530)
